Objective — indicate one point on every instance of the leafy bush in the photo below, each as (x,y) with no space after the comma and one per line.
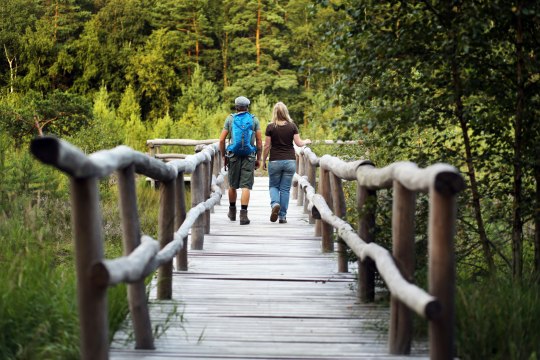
(498,319)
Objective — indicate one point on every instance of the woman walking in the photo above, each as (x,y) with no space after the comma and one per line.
(280,135)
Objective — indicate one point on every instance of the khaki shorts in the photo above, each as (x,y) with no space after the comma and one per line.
(241,171)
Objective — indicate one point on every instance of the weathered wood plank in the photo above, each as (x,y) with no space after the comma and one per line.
(264,291)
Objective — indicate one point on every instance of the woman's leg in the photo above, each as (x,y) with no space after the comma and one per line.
(288,170)
(274,179)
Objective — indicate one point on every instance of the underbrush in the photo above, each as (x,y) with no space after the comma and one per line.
(38,300)
(498,319)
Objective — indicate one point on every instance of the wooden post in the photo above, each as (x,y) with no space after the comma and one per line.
(327,230)
(442,276)
(312,179)
(197,196)
(302,171)
(295,187)
(165,236)
(207,182)
(216,169)
(340,210)
(401,317)
(180,216)
(152,153)
(366,227)
(131,234)
(92,299)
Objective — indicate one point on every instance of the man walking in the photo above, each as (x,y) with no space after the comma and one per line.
(243,155)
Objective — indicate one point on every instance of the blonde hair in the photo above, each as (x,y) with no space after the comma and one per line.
(280,113)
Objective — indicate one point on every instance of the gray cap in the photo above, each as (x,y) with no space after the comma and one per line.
(241,101)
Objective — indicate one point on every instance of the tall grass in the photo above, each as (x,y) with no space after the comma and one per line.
(498,319)
(38,300)
(38,316)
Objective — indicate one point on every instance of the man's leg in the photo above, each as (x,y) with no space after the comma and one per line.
(244,200)
(232,204)
(246,183)
(232,195)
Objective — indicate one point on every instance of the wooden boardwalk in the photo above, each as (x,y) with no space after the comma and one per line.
(263,291)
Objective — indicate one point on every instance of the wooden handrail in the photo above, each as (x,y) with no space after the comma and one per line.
(326,207)
(142,254)
(442,182)
(179,142)
(417,299)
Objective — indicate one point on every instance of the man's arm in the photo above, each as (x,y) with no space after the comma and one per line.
(222,138)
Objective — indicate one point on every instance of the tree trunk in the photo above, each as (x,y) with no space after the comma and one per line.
(10,61)
(56,20)
(517,223)
(196,31)
(224,53)
(258,35)
(537,222)
(484,241)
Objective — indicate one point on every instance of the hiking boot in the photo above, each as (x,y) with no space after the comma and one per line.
(283,220)
(243,217)
(275,212)
(232,213)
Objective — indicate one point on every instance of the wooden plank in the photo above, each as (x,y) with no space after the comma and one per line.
(263,291)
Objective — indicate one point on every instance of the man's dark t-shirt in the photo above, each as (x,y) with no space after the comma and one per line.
(282,141)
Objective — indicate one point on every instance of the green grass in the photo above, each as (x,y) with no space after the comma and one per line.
(38,301)
(498,319)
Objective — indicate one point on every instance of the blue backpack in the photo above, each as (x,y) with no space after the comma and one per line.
(241,134)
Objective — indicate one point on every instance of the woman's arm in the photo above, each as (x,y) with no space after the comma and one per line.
(266,150)
(300,142)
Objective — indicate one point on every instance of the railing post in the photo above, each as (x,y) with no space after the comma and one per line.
(301,170)
(216,168)
(295,185)
(197,196)
(152,153)
(401,320)
(340,210)
(180,216)
(442,276)
(327,230)
(366,227)
(92,299)
(207,173)
(131,234)
(311,171)
(165,236)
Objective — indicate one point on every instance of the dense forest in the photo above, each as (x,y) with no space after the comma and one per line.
(426,81)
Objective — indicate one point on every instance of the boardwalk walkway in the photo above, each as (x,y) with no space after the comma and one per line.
(263,291)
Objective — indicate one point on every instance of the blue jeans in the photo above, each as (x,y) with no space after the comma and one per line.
(281,173)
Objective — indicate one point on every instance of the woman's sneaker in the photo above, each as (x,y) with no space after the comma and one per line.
(275,212)
(283,220)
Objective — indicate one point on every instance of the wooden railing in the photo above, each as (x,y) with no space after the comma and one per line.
(143,255)
(327,208)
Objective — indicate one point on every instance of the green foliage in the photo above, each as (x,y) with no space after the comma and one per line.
(152,72)
(498,319)
(58,113)
(262,109)
(201,93)
(163,129)
(105,130)
(129,113)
